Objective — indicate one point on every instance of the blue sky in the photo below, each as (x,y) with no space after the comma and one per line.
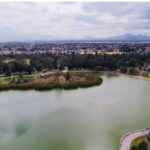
(72,20)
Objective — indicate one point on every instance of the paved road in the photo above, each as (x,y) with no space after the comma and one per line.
(129,137)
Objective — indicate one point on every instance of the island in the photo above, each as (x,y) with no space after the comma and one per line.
(50,80)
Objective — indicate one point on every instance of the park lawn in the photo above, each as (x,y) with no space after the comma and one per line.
(4,80)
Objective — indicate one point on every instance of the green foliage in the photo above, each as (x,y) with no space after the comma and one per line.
(32,63)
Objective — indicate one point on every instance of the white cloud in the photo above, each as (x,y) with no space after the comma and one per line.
(28,21)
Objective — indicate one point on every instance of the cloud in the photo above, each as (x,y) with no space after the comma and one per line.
(52,21)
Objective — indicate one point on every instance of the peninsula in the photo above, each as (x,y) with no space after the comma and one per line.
(51,80)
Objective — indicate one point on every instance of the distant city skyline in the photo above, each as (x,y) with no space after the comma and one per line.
(72,20)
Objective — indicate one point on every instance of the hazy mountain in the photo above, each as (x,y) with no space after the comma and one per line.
(129,37)
(121,38)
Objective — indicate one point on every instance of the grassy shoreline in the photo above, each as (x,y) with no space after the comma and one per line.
(115,73)
(51,80)
(136,76)
(139,77)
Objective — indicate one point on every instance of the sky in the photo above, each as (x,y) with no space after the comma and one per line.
(72,20)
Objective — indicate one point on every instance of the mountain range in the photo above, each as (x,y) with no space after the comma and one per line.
(129,37)
(121,38)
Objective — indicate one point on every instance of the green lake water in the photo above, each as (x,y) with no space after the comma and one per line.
(82,119)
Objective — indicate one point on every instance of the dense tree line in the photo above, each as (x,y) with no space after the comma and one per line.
(30,63)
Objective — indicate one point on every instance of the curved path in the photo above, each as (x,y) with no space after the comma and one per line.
(129,137)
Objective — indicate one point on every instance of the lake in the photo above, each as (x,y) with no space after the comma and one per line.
(82,119)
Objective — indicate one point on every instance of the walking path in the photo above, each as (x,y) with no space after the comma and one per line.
(129,137)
